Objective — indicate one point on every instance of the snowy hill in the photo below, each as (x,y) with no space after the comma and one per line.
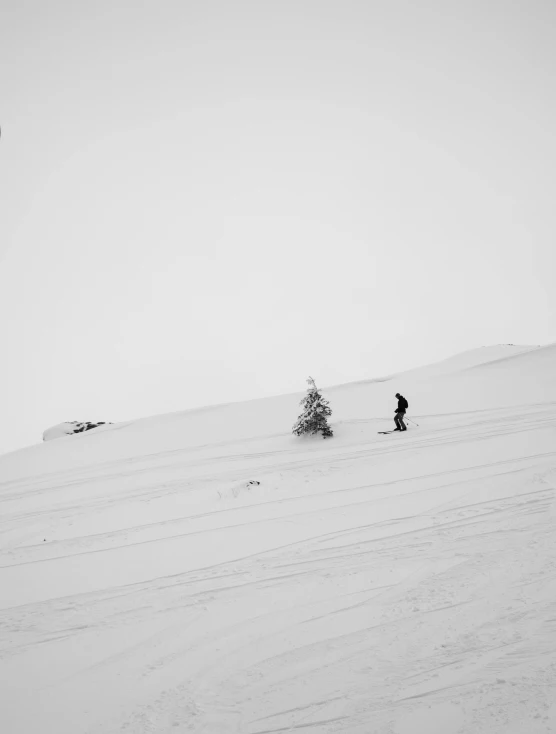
(473,358)
(400,584)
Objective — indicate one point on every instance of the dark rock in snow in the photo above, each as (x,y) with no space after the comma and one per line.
(69,428)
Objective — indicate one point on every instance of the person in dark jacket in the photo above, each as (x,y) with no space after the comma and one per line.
(403,405)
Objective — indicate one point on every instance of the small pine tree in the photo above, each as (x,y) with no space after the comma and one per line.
(315,413)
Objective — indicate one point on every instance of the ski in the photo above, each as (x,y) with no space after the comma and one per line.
(384,433)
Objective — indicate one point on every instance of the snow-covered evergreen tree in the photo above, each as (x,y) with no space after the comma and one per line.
(315,413)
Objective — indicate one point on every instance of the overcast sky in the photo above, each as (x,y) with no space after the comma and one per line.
(207,201)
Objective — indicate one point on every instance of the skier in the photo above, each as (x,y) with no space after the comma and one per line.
(403,405)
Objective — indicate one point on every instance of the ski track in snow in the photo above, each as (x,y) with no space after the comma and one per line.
(401,584)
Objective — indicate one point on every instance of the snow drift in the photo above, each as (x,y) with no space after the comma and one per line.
(206,571)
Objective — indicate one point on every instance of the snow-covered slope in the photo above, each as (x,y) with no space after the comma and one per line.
(400,584)
(472,358)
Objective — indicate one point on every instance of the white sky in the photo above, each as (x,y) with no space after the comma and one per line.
(208,201)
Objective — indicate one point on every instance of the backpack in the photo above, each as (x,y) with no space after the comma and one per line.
(406,404)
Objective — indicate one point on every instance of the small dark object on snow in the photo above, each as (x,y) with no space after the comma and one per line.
(80,427)
(253,482)
(69,428)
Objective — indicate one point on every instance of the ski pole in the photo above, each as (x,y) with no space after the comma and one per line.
(409,419)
